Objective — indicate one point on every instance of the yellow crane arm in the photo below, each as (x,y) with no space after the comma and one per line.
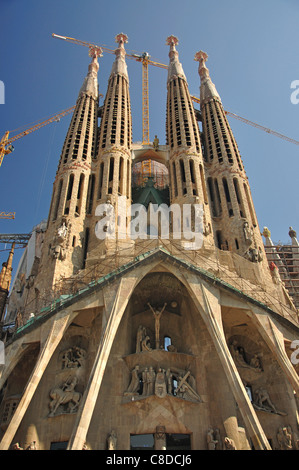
(143,58)
(7,215)
(254,124)
(5,143)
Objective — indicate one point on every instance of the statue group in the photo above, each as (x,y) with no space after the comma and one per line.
(162,382)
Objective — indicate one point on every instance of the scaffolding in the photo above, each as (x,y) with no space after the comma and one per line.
(286,259)
(119,260)
(146,169)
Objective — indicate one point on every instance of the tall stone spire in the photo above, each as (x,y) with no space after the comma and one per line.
(90,84)
(186,166)
(112,169)
(234,219)
(175,68)
(207,88)
(63,253)
(119,66)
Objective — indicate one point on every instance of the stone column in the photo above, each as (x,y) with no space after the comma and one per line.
(116,300)
(209,307)
(59,326)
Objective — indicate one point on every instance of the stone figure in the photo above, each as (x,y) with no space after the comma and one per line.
(275,273)
(185,390)
(157,315)
(248,234)
(145,382)
(211,441)
(151,381)
(292,233)
(58,250)
(263,401)
(156,143)
(218,439)
(73,357)
(16,446)
(255,255)
(168,378)
(112,441)
(284,438)
(141,333)
(145,344)
(229,444)
(160,438)
(65,395)
(266,232)
(255,362)
(135,382)
(160,384)
(239,356)
(19,320)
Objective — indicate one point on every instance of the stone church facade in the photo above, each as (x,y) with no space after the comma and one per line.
(125,342)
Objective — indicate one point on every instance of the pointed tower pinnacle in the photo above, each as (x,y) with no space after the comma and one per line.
(90,84)
(186,164)
(119,66)
(175,68)
(207,89)
(234,220)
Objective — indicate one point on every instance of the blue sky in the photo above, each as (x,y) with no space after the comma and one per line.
(253,59)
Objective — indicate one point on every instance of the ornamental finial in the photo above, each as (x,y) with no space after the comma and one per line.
(121,38)
(172,41)
(201,57)
(95,51)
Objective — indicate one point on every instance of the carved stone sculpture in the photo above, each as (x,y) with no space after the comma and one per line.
(239,357)
(255,255)
(160,438)
(157,315)
(160,384)
(211,441)
(145,344)
(248,234)
(73,358)
(263,401)
(151,381)
(112,441)
(58,250)
(185,390)
(284,438)
(141,333)
(65,397)
(134,385)
(229,444)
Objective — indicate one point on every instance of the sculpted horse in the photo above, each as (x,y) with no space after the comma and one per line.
(63,397)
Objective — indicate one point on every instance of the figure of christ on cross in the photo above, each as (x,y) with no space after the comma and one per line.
(157,315)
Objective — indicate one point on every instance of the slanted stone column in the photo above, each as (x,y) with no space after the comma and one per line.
(116,300)
(207,301)
(59,326)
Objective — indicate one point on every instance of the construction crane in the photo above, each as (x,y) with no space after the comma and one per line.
(254,124)
(6,146)
(16,238)
(145,60)
(7,215)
